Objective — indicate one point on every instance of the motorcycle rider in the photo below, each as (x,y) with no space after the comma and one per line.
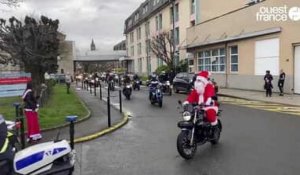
(126,79)
(136,81)
(153,84)
(6,152)
(163,77)
(203,94)
(136,77)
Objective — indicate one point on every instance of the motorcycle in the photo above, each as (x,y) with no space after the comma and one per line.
(166,88)
(156,95)
(136,85)
(127,91)
(54,157)
(111,85)
(13,129)
(195,131)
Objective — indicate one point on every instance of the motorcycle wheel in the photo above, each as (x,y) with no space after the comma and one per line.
(175,90)
(128,97)
(183,146)
(217,134)
(160,103)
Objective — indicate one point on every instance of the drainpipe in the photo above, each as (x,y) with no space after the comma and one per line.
(227,67)
(174,45)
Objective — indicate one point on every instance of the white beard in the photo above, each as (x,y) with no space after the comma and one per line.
(199,86)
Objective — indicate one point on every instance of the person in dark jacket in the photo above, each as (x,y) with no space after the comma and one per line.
(281,82)
(6,153)
(268,83)
(31,108)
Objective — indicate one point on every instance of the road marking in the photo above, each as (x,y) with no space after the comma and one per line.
(274,107)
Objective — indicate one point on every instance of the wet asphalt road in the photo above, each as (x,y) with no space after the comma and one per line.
(253,142)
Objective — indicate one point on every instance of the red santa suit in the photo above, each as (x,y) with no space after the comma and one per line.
(202,94)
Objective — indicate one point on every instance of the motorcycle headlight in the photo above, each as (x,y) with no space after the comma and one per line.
(186,116)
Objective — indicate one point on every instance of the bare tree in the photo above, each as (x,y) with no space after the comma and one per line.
(162,47)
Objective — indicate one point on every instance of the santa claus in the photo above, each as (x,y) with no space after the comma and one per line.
(203,93)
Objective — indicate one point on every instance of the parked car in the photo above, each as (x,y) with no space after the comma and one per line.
(183,81)
(59,78)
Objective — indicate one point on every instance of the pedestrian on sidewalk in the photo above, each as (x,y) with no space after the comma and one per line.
(68,82)
(268,83)
(31,108)
(281,82)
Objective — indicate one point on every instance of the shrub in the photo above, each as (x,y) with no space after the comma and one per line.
(162,68)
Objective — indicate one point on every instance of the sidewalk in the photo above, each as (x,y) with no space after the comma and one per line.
(288,99)
(96,123)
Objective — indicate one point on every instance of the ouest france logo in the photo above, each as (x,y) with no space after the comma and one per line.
(278,14)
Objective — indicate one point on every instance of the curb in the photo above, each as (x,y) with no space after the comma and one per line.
(243,98)
(107,130)
(103,132)
(86,117)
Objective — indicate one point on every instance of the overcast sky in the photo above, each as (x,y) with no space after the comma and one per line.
(82,20)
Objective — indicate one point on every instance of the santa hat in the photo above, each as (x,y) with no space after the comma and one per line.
(203,76)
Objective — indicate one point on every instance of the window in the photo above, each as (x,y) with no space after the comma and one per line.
(131,37)
(155,2)
(159,62)
(212,60)
(129,23)
(145,9)
(136,17)
(139,48)
(140,65)
(176,35)
(132,51)
(234,59)
(176,14)
(193,6)
(138,33)
(147,29)
(147,48)
(158,21)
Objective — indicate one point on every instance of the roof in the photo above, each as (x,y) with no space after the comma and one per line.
(101,56)
(237,37)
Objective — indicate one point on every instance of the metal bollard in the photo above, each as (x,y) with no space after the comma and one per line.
(120,100)
(95,89)
(108,107)
(20,118)
(71,119)
(100,91)
(91,88)
(22,136)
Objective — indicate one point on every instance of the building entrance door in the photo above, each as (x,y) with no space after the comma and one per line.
(297,70)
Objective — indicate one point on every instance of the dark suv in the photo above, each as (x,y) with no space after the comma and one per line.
(183,81)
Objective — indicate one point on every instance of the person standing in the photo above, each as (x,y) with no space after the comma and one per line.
(268,83)
(281,82)
(68,82)
(31,108)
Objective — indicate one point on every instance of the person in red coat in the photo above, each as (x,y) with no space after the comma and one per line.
(31,108)
(203,94)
